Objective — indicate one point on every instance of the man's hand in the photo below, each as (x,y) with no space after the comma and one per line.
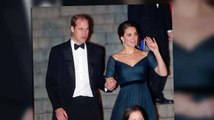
(110,83)
(61,114)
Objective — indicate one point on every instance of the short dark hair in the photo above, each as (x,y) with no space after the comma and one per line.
(83,16)
(132,109)
(124,25)
(79,16)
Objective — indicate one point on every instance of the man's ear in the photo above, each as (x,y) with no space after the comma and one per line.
(72,29)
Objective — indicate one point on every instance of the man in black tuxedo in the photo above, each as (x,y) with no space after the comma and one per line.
(75,72)
(155,21)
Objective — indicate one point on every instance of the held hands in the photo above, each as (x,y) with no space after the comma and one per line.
(110,83)
(151,43)
(61,114)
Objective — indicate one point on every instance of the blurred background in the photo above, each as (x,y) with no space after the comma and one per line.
(193,56)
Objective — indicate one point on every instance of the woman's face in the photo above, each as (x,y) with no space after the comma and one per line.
(130,37)
(137,115)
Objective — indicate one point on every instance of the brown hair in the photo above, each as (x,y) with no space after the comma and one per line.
(132,109)
(123,26)
(83,16)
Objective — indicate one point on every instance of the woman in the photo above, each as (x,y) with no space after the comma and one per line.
(130,67)
(135,112)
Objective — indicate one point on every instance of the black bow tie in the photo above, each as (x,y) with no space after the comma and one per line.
(77,46)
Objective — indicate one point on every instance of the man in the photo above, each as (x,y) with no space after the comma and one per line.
(75,72)
(155,21)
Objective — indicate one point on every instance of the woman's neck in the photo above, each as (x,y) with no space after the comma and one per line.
(129,51)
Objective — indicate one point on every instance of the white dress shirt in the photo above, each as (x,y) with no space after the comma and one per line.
(82,83)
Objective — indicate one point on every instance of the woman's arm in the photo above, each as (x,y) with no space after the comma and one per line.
(161,66)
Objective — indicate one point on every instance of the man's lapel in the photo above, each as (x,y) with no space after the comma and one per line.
(91,62)
(67,52)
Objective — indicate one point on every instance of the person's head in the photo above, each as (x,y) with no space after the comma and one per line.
(81,27)
(128,33)
(135,113)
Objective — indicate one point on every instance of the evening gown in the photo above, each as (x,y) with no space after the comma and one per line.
(133,88)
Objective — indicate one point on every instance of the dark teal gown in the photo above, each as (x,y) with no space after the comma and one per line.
(133,88)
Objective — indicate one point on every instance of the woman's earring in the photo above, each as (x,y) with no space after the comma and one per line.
(122,39)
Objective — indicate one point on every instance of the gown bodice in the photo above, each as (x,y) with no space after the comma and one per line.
(125,73)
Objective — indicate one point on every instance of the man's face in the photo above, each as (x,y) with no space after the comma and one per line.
(80,31)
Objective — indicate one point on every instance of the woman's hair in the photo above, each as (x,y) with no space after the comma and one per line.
(132,109)
(123,26)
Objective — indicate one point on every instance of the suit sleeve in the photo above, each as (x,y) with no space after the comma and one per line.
(100,71)
(52,81)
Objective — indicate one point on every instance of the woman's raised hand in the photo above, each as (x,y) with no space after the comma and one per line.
(151,43)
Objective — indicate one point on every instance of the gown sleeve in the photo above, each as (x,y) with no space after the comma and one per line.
(110,70)
(152,60)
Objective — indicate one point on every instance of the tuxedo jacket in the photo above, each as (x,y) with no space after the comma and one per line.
(60,79)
